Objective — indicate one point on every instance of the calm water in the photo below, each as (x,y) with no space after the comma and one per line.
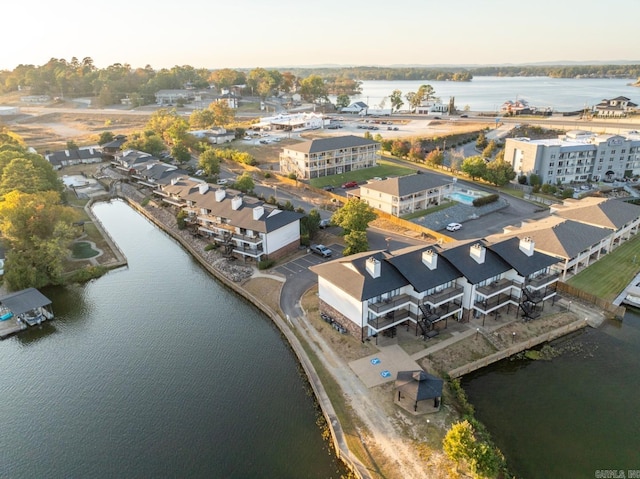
(489,93)
(155,370)
(572,416)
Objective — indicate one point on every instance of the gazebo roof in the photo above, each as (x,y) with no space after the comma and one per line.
(419,385)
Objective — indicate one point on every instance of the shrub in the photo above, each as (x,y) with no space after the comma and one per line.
(267,174)
(522,179)
(266,263)
(292,176)
(211,246)
(304,240)
(86,274)
(485,200)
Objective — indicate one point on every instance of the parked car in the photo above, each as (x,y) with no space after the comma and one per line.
(325,223)
(464,116)
(350,184)
(222,181)
(437,118)
(328,188)
(320,249)
(453,226)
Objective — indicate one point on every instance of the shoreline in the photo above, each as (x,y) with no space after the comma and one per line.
(296,332)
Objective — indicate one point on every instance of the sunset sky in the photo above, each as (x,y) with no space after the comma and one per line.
(263,33)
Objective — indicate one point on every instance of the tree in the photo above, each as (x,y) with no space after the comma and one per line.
(180,153)
(209,162)
(313,89)
(105,137)
(72,145)
(435,158)
(37,229)
(400,148)
(342,101)
(311,223)
(245,183)
(223,114)
(459,442)
(356,242)
(474,166)
(355,215)
(396,100)
(481,142)
(201,119)
(26,172)
(499,172)
(490,149)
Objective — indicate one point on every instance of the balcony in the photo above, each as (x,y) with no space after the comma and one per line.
(391,318)
(445,295)
(498,287)
(494,303)
(387,305)
(542,280)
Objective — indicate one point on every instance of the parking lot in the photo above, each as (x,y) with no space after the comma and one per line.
(300,265)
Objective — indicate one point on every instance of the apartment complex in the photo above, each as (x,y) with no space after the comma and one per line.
(328,156)
(406,194)
(371,292)
(576,157)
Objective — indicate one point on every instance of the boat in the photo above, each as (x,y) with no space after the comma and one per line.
(632,297)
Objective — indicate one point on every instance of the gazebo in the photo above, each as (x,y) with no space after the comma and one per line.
(413,389)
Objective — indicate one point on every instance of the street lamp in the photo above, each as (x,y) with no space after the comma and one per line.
(477,332)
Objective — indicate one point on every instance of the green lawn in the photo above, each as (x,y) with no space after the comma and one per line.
(612,273)
(82,250)
(384,168)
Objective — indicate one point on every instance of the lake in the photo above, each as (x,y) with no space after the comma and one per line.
(572,416)
(489,93)
(156,370)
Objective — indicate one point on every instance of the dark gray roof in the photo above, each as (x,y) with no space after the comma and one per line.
(350,275)
(419,385)
(116,143)
(333,143)
(460,257)
(406,185)
(409,263)
(509,250)
(58,157)
(24,301)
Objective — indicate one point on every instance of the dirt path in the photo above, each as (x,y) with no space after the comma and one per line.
(381,435)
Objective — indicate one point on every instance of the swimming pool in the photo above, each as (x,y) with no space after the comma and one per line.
(463,198)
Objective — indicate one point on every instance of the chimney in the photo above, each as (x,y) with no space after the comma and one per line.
(373,267)
(477,252)
(430,259)
(66,152)
(258,211)
(149,166)
(236,202)
(220,194)
(527,246)
(174,180)
(203,188)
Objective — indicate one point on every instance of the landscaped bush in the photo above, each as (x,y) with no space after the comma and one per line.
(304,240)
(485,200)
(266,263)
(86,274)
(211,246)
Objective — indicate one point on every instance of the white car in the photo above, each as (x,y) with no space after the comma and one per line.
(453,226)
(222,181)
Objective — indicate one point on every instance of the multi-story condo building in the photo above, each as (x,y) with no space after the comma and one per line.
(369,293)
(578,156)
(243,226)
(328,156)
(406,194)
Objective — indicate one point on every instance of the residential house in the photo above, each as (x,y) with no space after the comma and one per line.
(62,158)
(113,147)
(243,226)
(355,107)
(517,107)
(576,157)
(215,136)
(616,107)
(406,194)
(131,161)
(328,156)
(169,97)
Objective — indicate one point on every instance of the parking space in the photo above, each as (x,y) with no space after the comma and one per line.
(301,265)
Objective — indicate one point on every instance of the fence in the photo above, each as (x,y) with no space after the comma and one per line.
(516,348)
(616,311)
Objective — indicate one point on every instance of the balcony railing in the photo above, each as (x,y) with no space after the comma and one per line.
(390,304)
(498,287)
(393,317)
(445,295)
(495,302)
(542,280)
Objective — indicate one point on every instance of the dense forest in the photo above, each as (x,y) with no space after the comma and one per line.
(81,78)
